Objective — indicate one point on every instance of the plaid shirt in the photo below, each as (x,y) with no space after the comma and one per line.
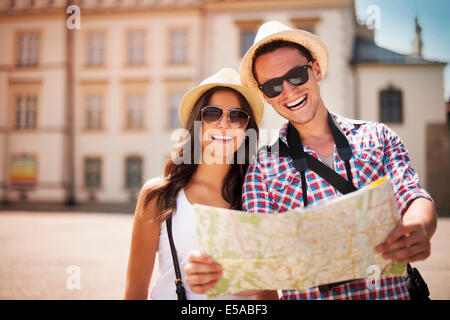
(273,185)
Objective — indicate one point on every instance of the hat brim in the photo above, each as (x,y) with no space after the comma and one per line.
(191,97)
(308,40)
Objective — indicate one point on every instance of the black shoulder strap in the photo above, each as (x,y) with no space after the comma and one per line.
(341,184)
(181,293)
(303,160)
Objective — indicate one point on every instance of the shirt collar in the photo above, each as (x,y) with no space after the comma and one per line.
(346,125)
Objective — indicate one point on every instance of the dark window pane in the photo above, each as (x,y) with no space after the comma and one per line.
(391,108)
(134,172)
(247,38)
(92,172)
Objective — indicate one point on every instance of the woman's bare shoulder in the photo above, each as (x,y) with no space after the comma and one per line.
(152,183)
(144,209)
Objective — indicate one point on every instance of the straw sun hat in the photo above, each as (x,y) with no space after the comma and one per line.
(274,30)
(226,77)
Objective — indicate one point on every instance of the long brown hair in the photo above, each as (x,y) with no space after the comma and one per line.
(177,176)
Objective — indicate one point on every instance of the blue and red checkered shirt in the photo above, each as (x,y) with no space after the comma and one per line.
(273,185)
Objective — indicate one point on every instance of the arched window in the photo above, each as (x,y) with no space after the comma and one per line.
(391,105)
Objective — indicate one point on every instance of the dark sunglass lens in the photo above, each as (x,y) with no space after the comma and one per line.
(211,114)
(273,88)
(238,118)
(297,76)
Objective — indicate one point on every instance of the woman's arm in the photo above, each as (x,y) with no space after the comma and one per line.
(144,243)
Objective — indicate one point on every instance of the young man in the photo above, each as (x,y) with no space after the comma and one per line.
(286,65)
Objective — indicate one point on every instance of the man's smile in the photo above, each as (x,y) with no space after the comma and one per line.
(297,103)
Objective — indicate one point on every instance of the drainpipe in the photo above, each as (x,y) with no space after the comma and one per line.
(69,144)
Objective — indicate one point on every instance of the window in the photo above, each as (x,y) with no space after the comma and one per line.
(178,46)
(23,171)
(391,108)
(307,24)
(136,48)
(94,105)
(247,38)
(92,172)
(96,49)
(175,90)
(26,110)
(28,50)
(247,33)
(133,172)
(174,119)
(135,111)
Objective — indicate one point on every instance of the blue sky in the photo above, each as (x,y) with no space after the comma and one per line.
(396,28)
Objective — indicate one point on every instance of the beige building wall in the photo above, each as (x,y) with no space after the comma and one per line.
(154,80)
(47,81)
(422,88)
(214,43)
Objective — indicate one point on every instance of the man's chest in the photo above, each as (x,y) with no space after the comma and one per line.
(284,182)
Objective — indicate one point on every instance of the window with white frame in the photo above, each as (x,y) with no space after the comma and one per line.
(136,48)
(134,111)
(28,50)
(133,172)
(178,46)
(174,118)
(92,172)
(96,49)
(247,38)
(94,106)
(26,111)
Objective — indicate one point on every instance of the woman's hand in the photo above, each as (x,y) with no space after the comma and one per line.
(202,273)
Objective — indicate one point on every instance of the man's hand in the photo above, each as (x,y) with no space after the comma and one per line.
(410,240)
(202,273)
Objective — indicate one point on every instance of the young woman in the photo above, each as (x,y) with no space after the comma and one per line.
(217,114)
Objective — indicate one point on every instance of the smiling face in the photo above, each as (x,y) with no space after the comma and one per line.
(296,104)
(220,139)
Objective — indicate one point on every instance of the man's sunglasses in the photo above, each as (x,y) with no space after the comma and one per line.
(296,77)
(236,117)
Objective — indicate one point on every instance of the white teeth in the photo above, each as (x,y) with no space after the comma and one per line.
(226,138)
(296,102)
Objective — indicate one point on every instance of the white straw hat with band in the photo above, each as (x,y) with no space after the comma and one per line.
(226,77)
(274,30)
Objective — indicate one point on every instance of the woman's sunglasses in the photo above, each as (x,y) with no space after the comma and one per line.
(296,77)
(237,118)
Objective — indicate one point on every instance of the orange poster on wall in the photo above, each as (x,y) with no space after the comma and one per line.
(23,172)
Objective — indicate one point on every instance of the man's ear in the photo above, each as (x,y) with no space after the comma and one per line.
(317,71)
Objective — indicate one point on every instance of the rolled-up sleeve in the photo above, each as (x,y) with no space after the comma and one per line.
(398,166)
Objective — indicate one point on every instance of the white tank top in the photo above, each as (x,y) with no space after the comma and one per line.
(185,239)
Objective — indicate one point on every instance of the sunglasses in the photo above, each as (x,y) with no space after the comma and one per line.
(296,77)
(236,117)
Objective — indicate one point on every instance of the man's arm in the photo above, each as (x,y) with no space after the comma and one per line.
(410,240)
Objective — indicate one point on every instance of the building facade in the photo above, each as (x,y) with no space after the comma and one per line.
(87,115)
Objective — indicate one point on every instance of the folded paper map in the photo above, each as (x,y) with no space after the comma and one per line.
(301,248)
